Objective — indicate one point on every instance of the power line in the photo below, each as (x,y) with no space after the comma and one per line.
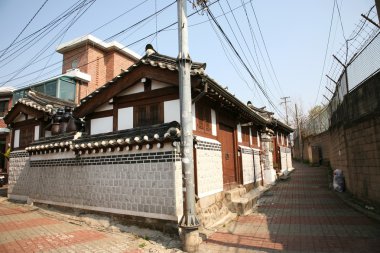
(51,42)
(24,28)
(265,46)
(327,47)
(240,59)
(96,29)
(133,43)
(45,30)
(78,52)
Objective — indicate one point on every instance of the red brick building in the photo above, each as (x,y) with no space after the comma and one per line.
(101,60)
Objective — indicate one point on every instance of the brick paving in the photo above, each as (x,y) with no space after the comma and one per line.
(299,215)
(26,229)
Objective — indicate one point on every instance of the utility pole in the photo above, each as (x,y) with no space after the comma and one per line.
(299,135)
(286,107)
(189,221)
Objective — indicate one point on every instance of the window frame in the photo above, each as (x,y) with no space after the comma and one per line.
(148,121)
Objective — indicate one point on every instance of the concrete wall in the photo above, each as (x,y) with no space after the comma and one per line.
(138,183)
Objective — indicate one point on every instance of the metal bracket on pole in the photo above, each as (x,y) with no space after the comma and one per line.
(329,90)
(341,63)
(370,20)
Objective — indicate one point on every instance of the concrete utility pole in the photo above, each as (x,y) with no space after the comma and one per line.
(286,108)
(299,135)
(189,222)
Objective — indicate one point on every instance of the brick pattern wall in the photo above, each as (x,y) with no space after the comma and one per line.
(137,183)
(209,167)
(151,157)
(115,62)
(102,66)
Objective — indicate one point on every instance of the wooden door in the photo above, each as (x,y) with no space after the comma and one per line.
(228,155)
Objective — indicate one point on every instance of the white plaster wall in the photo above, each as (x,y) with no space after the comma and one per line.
(36,133)
(104,107)
(213,122)
(172,111)
(125,118)
(102,125)
(250,137)
(159,85)
(20,117)
(248,168)
(209,172)
(193,116)
(178,190)
(137,88)
(258,139)
(16,141)
(239,133)
(284,167)
(256,158)
(289,160)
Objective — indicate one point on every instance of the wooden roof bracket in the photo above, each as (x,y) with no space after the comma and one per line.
(200,95)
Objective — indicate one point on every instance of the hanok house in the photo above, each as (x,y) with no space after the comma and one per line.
(127,161)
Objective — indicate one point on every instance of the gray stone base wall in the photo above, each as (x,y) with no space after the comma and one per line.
(18,175)
(136,183)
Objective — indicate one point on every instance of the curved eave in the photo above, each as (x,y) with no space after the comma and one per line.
(235,103)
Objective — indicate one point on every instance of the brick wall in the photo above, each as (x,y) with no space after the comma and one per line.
(101,65)
(209,167)
(115,62)
(137,183)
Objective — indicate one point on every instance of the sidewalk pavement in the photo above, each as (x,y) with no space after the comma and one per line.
(26,228)
(300,214)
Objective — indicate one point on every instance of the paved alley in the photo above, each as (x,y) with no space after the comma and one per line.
(300,214)
(30,229)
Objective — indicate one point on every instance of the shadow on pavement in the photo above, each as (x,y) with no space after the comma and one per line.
(301,214)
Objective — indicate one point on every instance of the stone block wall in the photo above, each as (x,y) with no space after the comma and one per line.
(138,183)
(209,166)
(18,178)
(352,142)
(359,158)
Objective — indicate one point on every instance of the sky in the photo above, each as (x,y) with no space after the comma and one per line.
(282,43)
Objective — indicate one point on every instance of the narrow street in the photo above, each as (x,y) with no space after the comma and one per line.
(300,214)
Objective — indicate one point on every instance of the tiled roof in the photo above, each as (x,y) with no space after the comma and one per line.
(129,139)
(40,102)
(215,91)
(154,60)
(43,102)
